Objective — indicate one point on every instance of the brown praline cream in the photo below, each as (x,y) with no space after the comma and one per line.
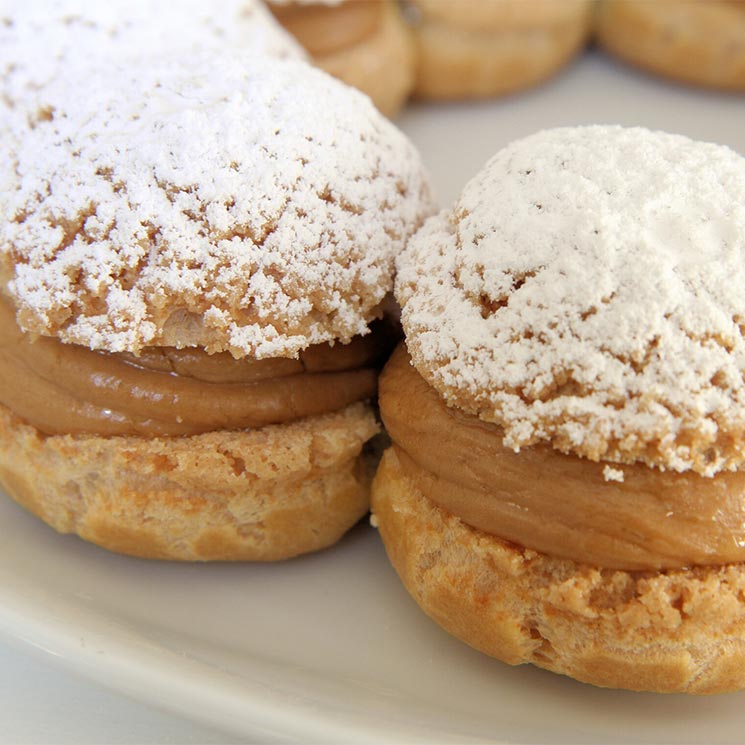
(324,29)
(560,505)
(69,389)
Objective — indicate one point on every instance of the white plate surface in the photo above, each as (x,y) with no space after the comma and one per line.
(330,648)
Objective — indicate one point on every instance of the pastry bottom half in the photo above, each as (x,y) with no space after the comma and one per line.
(670,631)
(264,494)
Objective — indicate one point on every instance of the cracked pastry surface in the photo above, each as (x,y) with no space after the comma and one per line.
(244,495)
(679,631)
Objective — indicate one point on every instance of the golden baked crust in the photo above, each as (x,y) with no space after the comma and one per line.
(695,42)
(458,61)
(381,66)
(262,495)
(674,631)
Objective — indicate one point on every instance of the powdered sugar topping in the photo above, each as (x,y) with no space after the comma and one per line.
(234,203)
(587,290)
(42,39)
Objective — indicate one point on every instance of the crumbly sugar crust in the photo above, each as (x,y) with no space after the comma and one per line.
(43,40)
(236,203)
(586,290)
(40,40)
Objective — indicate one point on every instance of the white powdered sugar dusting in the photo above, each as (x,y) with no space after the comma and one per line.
(256,203)
(588,289)
(41,39)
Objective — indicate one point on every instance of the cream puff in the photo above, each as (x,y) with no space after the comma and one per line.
(191,278)
(691,41)
(481,48)
(365,43)
(566,484)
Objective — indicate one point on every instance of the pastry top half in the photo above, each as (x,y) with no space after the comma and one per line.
(233,203)
(586,291)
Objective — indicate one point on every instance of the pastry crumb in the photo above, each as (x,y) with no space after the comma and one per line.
(613,474)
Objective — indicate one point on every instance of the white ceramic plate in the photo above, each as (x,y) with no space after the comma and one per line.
(330,648)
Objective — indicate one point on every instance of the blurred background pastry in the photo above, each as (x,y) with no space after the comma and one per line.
(365,43)
(481,48)
(694,41)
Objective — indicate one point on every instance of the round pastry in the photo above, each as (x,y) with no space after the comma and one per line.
(480,48)
(365,43)
(688,40)
(191,278)
(566,484)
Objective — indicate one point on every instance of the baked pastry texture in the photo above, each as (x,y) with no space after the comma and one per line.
(191,280)
(565,484)
(365,43)
(262,494)
(481,48)
(694,42)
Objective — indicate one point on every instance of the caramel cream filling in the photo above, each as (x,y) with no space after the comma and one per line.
(325,29)
(558,504)
(68,389)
